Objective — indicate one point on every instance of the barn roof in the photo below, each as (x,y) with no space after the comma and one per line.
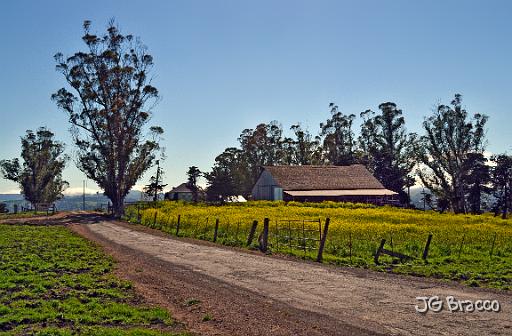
(182,188)
(345,192)
(323,177)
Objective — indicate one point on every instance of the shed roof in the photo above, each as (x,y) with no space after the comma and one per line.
(323,177)
(182,188)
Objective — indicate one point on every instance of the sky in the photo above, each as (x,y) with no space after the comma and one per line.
(224,66)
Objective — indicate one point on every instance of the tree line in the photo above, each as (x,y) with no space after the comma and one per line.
(108,100)
(109,96)
(448,158)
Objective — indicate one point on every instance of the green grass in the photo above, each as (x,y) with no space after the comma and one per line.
(53,282)
(474,250)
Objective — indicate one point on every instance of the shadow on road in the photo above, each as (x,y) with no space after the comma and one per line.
(60,219)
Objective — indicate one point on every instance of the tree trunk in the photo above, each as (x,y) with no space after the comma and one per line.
(118,207)
(505,203)
(458,201)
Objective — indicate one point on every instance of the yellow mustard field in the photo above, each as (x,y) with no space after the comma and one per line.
(475,249)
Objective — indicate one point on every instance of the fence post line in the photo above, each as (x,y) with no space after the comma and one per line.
(304,239)
(379,250)
(178,226)
(154,220)
(322,241)
(277,235)
(350,245)
(252,232)
(237,230)
(263,241)
(169,223)
(216,230)
(462,244)
(427,246)
(492,246)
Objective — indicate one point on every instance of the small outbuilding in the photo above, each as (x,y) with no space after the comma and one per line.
(352,183)
(180,193)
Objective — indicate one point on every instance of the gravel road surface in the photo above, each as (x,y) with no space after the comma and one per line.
(248,293)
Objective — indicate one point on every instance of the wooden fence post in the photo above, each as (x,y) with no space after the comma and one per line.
(154,221)
(322,241)
(461,244)
(492,247)
(216,230)
(263,241)
(427,246)
(178,226)
(350,245)
(379,251)
(252,232)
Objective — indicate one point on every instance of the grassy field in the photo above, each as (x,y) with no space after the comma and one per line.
(53,282)
(27,214)
(475,250)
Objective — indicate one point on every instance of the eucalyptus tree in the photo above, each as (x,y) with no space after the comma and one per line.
(193,174)
(338,139)
(40,174)
(450,137)
(261,146)
(109,102)
(307,149)
(221,184)
(156,185)
(477,182)
(388,148)
(502,184)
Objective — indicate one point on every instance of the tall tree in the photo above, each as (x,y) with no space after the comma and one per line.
(40,175)
(477,181)
(450,136)
(307,149)
(193,174)
(221,184)
(109,107)
(502,184)
(366,140)
(388,148)
(262,146)
(230,175)
(338,137)
(155,186)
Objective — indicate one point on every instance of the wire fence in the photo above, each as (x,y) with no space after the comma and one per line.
(299,234)
(342,244)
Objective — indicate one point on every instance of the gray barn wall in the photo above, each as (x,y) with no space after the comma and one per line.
(266,188)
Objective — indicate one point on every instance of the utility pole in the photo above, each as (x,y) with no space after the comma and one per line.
(157,181)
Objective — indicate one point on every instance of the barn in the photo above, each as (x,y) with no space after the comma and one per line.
(181,192)
(353,183)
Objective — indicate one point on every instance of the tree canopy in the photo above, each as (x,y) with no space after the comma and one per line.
(450,137)
(387,148)
(109,105)
(40,174)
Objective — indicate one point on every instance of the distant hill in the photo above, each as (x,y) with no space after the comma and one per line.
(71,202)
(93,201)
(10,197)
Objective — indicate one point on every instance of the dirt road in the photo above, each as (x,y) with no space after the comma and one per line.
(251,294)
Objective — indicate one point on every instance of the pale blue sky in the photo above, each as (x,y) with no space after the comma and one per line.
(222,66)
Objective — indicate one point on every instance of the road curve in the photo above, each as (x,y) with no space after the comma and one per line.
(364,302)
